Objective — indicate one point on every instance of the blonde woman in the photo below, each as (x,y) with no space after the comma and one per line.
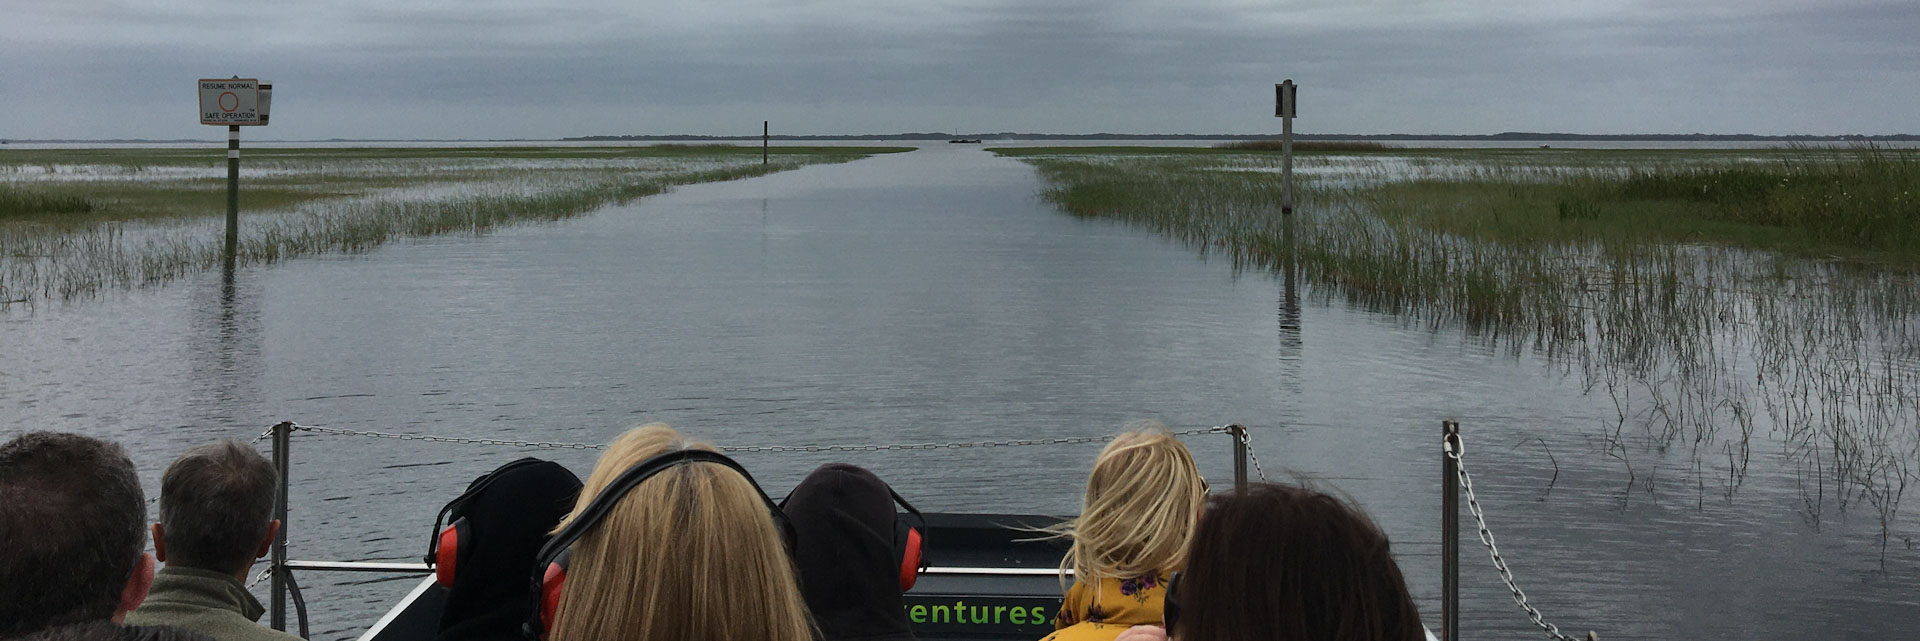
(1143,499)
(685,547)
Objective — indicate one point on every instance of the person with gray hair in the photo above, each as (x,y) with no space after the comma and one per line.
(72,533)
(216,517)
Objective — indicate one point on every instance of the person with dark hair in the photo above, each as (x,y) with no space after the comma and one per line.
(843,517)
(73,528)
(507,515)
(216,517)
(107,631)
(1287,563)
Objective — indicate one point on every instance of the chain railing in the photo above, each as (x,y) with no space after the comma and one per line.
(1454,449)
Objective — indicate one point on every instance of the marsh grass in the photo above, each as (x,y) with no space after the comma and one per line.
(1859,203)
(1674,285)
(1307,146)
(155,214)
(1224,149)
(19,203)
(104,201)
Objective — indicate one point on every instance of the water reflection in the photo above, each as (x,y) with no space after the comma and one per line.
(1291,342)
(223,351)
(1289,296)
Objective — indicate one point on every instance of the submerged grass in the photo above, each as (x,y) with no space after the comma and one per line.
(88,220)
(1698,291)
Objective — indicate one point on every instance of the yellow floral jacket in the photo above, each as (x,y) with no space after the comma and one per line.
(1102,612)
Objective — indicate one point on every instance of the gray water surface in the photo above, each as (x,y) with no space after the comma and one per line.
(926,297)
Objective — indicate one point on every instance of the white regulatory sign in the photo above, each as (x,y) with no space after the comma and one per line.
(232,101)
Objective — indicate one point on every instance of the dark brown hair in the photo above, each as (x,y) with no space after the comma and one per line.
(216,501)
(73,524)
(1289,563)
(109,631)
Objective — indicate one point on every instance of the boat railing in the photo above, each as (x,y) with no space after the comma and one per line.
(1454,477)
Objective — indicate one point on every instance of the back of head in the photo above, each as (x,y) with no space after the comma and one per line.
(73,527)
(690,554)
(509,520)
(1138,514)
(844,516)
(216,502)
(1290,563)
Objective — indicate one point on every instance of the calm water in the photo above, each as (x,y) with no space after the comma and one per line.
(926,297)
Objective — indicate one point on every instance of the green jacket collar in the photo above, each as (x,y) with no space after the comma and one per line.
(206,588)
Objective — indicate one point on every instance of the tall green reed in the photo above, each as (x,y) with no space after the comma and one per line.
(1706,331)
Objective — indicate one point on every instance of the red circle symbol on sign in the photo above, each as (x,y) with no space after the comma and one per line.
(223,101)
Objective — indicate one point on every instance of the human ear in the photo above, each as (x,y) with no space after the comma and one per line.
(136,590)
(159,543)
(266,543)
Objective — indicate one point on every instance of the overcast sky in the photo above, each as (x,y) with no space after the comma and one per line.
(551,68)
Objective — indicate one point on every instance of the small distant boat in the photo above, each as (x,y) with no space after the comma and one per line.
(966,140)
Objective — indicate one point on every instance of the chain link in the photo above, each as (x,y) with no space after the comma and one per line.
(1246,439)
(1453,449)
(742,448)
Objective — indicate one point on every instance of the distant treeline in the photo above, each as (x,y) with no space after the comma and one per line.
(1504,136)
(1010,135)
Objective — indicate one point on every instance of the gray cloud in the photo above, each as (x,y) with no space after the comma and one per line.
(536,68)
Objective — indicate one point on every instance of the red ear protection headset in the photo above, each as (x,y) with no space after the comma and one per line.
(909,543)
(550,565)
(452,544)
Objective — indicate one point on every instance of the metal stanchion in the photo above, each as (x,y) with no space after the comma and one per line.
(1239,433)
(1449,533)
(281,462)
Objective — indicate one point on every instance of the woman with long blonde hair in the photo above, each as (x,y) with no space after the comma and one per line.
(1143,499)
(690,553)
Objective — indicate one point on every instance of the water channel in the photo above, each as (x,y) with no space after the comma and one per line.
(911,298)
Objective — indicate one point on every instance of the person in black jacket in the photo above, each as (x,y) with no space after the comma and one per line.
(849,572)
(509,514)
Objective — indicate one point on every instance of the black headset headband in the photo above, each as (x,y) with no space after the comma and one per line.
(478,485)
(603,503)
(921,520)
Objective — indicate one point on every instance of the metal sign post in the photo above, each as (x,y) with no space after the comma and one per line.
(234,102)
(233,189)
(1283,108)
